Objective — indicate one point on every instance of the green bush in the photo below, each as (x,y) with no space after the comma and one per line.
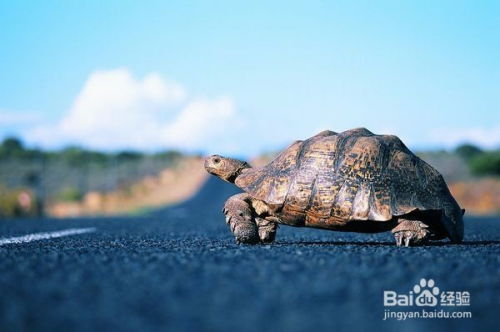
(169,155)
(128,155)
(468,151)
(487,163)
(9,203)
(13,148)
(70,194)
(78,157)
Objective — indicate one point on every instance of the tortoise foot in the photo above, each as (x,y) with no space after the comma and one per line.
(410,232)
(246,227)
(239,219)
(267,230)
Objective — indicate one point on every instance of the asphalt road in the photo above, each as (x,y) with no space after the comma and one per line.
(179,269)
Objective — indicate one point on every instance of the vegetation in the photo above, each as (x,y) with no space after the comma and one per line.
(69,173)
(14,148)
(468,151)
(480,162)
(10,204)
(70,194)
(487,163)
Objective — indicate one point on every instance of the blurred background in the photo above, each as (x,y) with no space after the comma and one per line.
(108,108)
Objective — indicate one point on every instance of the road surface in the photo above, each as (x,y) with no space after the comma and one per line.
(179,269)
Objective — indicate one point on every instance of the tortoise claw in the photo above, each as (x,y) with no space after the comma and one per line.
(399,239)
(407,240)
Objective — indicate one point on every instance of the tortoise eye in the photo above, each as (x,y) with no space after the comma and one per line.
(216,160)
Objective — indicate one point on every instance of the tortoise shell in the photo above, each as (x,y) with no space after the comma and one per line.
(356,175)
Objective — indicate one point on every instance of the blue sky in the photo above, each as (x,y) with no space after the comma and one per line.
(240,78)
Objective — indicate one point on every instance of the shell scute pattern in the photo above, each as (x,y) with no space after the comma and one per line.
(334,178)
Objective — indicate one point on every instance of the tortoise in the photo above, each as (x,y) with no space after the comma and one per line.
(352,181)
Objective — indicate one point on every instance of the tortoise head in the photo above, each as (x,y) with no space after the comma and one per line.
(225,168)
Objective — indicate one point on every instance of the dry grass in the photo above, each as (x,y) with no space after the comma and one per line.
(171,186)
(478,197)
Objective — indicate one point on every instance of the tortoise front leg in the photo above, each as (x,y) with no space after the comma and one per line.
(244,223)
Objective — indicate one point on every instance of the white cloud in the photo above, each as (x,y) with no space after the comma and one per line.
(486,137)
(200,120)
(114,111)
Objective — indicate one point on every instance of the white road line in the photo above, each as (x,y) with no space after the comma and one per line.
(45,236)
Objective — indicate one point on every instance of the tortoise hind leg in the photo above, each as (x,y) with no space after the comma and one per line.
(410,232)
(244,223)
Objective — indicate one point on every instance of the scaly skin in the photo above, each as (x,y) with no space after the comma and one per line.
(245,224)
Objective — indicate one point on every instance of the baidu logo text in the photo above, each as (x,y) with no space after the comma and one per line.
(426,294)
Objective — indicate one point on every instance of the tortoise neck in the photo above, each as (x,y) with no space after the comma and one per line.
(242,169)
